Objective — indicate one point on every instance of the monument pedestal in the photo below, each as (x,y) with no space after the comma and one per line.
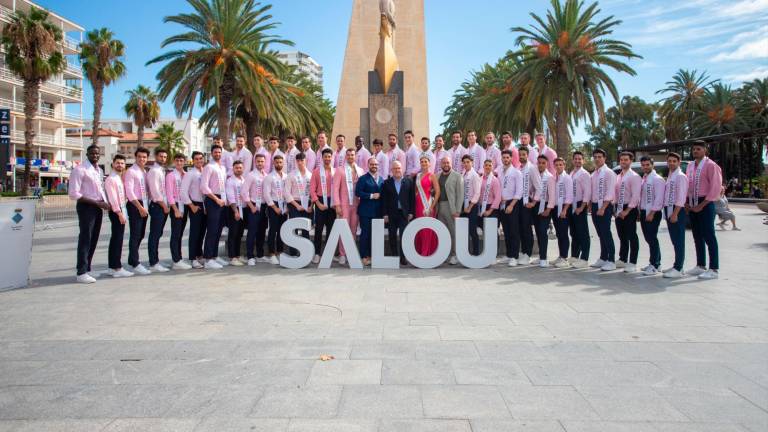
(385,113)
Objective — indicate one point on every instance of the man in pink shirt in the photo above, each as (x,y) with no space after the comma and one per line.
(192,198)
(427,152)
(704,182)
(178,213)
(135,181)
(290,154)
(236,210)
(603,194)
(651,203)
(490,197)
(322,144)
(277,209)
(507,143)
(362,154)
(525,141)
(544,150)
(343,196)
(476,151)
(627,201)
(412,155)
(438,154)
(298,195)
(511,184)
(273,150)
(212,186)
(457,152)
(577,218)
(158,209)
(492,151)
(675,197)
(306,148)
(394,153)
(560,200)
(381,158)
(86,186)
(259,148)
(471,197)
(321,187)
(253,197)
(239,153)
(339,153)
(543,209)
(530,179)
(117,216)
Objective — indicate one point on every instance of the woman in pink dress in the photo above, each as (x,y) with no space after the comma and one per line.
(427,195)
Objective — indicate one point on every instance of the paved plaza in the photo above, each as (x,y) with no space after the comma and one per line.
(445,350)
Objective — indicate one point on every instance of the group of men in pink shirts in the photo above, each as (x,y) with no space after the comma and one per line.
(525,187)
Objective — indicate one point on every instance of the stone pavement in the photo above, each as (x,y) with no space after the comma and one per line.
(450,349)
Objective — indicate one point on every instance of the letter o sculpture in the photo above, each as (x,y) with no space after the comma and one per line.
(443,243)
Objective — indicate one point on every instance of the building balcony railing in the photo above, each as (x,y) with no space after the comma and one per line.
(73,69)
(49,87)
(42,112)
(48,140)
(69,43)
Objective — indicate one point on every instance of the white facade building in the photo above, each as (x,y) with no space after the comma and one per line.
(195,138)
(61,99)
(305,64)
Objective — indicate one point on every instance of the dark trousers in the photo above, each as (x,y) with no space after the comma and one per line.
(525,225)
(293,213)
(397,223)
(704,239)
(197,225)
(177,231)
(235,234)
(579,233)
(157,220)
(677,235)
(474,238)
(115,242)
(510,223)
(324,220)
(650,234)
(89,218)
(561,230)
(541,225)
(257,231)
(137,226)
(629,243)
(214,219)
(274,242)
(603,228)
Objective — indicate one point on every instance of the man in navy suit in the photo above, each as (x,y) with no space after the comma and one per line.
(397,197)
(368,190)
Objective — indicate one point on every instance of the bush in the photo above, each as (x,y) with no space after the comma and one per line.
(9,194)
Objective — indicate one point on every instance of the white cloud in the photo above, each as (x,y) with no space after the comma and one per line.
(756,49)
(745,7)
(760,72)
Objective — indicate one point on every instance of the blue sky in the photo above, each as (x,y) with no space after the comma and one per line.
(728,39)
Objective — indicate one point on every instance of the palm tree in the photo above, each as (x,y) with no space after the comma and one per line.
(31,53)
(561,76)
(170,139)
(679,108)
(754,96)
(101,56)
(144,108)
(717,112)
(230,36)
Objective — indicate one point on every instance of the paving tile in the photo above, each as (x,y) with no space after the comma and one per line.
(417,372)
(547,403)
(238,424)
(343,425)
(380,401)
(624,403)
(486,425)
(314,401)
(463,402)
(713,405)
(488,372)
(429,425)
(340,372)
(153,424)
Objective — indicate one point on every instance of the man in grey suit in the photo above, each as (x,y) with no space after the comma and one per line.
(450,202)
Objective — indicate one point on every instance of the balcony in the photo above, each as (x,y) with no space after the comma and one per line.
(73,94)
(44,113)
(73,70)
(69,44)
(73,143)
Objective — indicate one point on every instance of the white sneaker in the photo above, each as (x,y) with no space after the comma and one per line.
(212,264)
(696,271)
(140,269)
(608,266)
(673,274)
(264,259)
(316,259)
(273,260)
(572,260)
(556,261)
(221,261)
(85,278)
(109,272)
(252,262)
(630,268)
(453,260)
(235,262)
(645,268)
(598,264)
(159,268)
(512,262)
(667,270)
(709,275)
(620,264)
(650,271)
(342,260)
(543,263)
(524,259)
(563,264)
(181,265)
(336,258)
(121,273)
(197,264)
(580,264)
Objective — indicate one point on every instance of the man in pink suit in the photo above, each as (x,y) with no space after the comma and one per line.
(704,181)
(343,195)
(321,187)
(560,199)
(178,213)
(627,195)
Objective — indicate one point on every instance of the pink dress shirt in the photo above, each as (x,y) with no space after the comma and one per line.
(270,158)
(310,161)
(675,191)
(493,197)
(515,155)
(710,179)
(213,179)
(456,153)
(173,182)
(396,154)
(319,156)
(253,188)
(511,181)
(135,181)
(298,190)
(582,186)
(115,192)
(631,182)
(261,151)
(412,156)
(534,180)
(156,184)
(439,155)
(546,151)
(494,154)
(316,187)
(290,160)
(340,193)
(339,157)
(274,190)
(472,182)
(234,188)
(609,188)
(243,156)
(478,156)
(361,158)
(652,192)
(553,190)
(383,161)
(190,187)
(86,181)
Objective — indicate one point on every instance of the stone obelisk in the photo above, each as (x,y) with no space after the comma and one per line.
(352,117)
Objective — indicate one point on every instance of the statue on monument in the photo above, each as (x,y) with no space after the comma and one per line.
(386,60)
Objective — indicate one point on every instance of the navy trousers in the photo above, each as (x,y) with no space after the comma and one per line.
(474,238)
(510,223)
(526,224)
(579,233)
(177,231)
(89,219)
(197,226)
(677,236)
(257,231)
(561,229)
(157,219)
(214,224)
(115,242)
(138,227)
(650,234)
(603,228)
(541,225)
(704,239)
(629,243)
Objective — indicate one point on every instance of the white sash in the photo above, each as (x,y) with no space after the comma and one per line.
(543,193)
(279,185)
(622,193)
(560,193)
(457,158)
(467,180)
(162,186)
(426,202)
(121,195)
(506,177)
(222,174)
(259,190)
(601,187)
(177,185)
(350,184)
(303,184)
(526,183)
(648,192)
(238,197)
(672,194)
(340,158)
(324,185)
(100,185)
(143,188)
(697,181)
(486,194)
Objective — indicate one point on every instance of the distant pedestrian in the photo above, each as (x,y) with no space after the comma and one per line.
(724,212)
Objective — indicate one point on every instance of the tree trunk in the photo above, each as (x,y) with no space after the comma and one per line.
(31,101)
(563,135)
(226,91)
(140,135)
(98,102)
(251,128)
